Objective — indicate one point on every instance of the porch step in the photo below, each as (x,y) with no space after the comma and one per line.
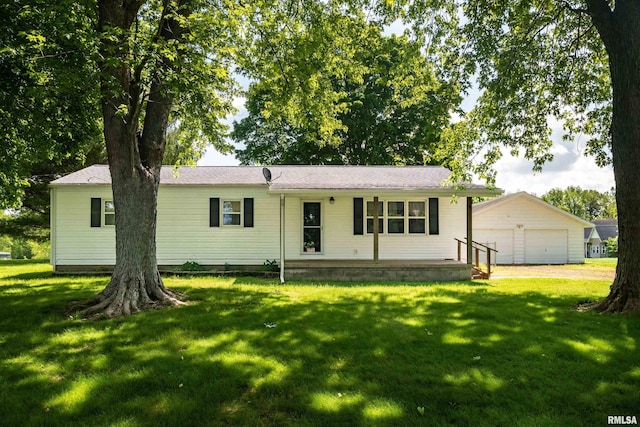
(476,273)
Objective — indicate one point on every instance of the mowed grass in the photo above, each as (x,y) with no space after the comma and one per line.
(248,351)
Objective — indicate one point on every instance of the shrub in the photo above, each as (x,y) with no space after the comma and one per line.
(191,266)
(612,246)
(21,249)
(270,265)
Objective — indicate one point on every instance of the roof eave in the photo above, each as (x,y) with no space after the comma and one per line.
(445,191)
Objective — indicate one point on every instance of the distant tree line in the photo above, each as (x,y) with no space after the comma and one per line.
(586,204)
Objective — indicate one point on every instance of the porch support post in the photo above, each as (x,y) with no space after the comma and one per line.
(282,205)
(375,229)
(469,231)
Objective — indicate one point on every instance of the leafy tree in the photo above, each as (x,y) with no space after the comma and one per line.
(393,113)
(158,59)
(5,243)
(21,249)
(49,108)
(612,246)
(587,204)
(184,147)
(575,60)
(156,62)
(49,114)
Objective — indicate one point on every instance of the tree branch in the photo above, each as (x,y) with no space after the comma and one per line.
(152,143)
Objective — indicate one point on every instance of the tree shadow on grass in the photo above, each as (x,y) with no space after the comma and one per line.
(273,355)
(36,275)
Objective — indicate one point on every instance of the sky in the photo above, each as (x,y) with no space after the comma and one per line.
(569,167)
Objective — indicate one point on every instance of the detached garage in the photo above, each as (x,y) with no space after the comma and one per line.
(526,230)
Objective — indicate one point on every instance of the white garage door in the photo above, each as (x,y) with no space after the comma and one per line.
(501,240)
(545,247)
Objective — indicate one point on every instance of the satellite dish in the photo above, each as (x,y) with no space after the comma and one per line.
(267,174)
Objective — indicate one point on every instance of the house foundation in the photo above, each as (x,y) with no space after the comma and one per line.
(380,271)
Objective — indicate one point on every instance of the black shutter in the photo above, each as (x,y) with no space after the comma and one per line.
(96,211)
(214,212)
(358,216)
(434,221)
(248,212)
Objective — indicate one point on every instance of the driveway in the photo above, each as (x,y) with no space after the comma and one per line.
(568,271)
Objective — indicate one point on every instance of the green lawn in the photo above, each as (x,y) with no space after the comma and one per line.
(254,352)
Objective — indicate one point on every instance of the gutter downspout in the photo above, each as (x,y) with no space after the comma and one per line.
(282,205)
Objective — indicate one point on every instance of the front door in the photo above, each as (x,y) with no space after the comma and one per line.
(312,227)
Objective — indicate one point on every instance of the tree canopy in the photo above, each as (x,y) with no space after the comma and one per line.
(49,112)
(393,113)
(50,116)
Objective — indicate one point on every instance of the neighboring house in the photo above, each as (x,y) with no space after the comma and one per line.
(308,216)
(596,237)
(526,230)
(5,255)
(592,243)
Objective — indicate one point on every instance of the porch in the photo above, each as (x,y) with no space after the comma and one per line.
(377,271)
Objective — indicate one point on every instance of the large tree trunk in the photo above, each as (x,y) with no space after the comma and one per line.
(136,284)
(135,161)
(620,31)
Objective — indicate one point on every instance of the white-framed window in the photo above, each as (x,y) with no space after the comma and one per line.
(231,212)
(395,217)
(109,213)
(399,217)
(312,227)
(417,217)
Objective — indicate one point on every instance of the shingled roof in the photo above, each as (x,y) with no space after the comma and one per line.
(285,178)
(607,228)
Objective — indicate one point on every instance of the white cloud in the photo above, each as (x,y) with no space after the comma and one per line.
(214,158)
(516,174)
(570,167)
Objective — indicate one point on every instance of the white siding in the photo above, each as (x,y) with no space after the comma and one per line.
(521,215)
(75,241)
(183,232)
